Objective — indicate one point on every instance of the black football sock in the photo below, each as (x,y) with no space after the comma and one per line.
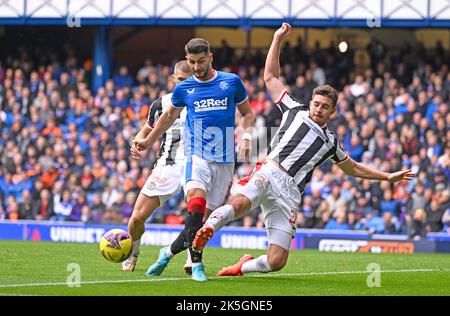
(179,244)
(194,221)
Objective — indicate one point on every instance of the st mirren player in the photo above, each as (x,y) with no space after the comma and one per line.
(302,143)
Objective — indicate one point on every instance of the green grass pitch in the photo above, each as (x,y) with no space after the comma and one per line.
(41,268)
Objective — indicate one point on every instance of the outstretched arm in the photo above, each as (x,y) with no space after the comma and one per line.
(141,135)
(356,169)
(164,123)
(272,67)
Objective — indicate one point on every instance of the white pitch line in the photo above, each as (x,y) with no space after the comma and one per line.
(248,276)
(354,272)
(18,294)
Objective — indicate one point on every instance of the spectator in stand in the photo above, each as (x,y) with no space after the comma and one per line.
(137,109)
(259,104)
(323,219)
(27,209)
(356,149)
(127,208)
(388,204)
(97,208)
(417,224)
(339,223)
(371,222)
(78,206)
(123,78)
(301,91)
(12,210)
(389,224)
(308,213)
(357,88)
(417,199)
(63,205)
(434,215)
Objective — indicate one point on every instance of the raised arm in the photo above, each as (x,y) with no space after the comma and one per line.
(356,169)
(272,67)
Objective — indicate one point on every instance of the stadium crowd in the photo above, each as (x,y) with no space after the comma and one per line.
(64,149)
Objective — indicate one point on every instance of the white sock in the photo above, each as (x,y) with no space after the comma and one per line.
(168,252)
(188,258)
(194,264)
(136,247)
(220,217)
(260,264)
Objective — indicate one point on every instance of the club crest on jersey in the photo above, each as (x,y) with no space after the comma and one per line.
(293,218)
(223,85)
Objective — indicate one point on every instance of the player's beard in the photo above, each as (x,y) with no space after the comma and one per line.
(203,74)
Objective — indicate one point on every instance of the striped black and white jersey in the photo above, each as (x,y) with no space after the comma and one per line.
(300,144)
(171,150)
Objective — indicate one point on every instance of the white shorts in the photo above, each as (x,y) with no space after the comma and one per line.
(164,182)
(279,198)
(212,177)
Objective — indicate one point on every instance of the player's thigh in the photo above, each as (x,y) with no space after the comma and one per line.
(253,191)
(281,239)
(221,178)
(164,180)
(197,177)
(281,202)
(161,185)
(279,215)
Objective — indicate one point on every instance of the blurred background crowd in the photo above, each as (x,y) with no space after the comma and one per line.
(64,149)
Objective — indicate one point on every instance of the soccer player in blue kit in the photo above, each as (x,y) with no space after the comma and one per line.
(211,98)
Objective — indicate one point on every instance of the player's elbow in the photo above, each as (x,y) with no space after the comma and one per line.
(268,76)
(352,169)
(170,115)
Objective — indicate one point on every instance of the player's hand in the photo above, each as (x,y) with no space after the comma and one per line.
(135,153)
(283,31)
(401,175)
(141,144)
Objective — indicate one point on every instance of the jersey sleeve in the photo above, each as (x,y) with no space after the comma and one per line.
(177,97)
(340,155)
(241,94)
(286,102)
(154,112)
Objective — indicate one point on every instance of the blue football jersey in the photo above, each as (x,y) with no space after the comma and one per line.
(210,121)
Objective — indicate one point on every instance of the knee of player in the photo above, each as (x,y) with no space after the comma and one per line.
(137,218)
(197,204)
(276,262)
(240,203)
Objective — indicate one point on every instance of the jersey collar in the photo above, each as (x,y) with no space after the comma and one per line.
(201,81)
